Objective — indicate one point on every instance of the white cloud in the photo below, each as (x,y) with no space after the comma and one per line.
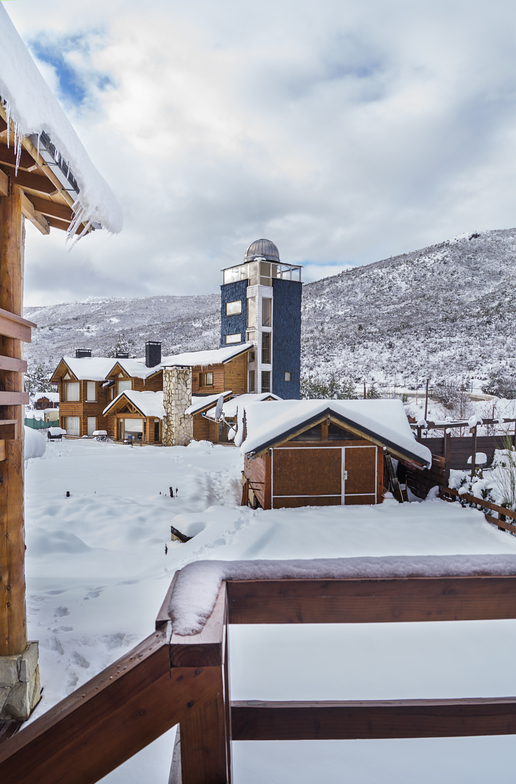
(349,131)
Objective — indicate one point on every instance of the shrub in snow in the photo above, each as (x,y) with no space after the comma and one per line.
(504,474)
(480,485)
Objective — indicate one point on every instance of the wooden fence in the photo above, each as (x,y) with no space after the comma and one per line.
(448,494)
(169,679)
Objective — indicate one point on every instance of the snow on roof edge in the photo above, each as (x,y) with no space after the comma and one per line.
(31,104)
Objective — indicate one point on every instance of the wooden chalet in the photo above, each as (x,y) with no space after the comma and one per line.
(215,371)
(324,452)
(83,395)
(44,176)
(136,414)
(46,400)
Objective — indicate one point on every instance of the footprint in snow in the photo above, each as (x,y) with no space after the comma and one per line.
(79,659)
(61,611)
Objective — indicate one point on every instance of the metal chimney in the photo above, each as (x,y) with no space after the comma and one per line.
(152,353)
(80,353)
(122,355)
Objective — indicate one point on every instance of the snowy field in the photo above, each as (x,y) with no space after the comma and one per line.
(97,573)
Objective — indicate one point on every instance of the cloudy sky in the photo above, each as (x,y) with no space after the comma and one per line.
(346,131)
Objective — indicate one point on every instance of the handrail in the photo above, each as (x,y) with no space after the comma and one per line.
(172,679)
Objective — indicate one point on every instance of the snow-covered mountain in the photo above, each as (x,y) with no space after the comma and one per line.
(445,311)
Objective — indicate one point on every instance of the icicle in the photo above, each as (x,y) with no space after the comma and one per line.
(80,216)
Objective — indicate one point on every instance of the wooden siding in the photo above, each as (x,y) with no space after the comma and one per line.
(255,473)
(211,389)
(235,375)
(205,429)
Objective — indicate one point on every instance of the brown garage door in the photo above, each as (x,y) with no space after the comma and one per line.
(306,477)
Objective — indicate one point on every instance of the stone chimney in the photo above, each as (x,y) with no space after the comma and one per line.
(152,353)
(177,397)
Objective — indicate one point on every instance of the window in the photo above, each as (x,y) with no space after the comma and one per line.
(336,433)
(288,376)
(205,379)
(234,308)
(266,381)
(92,425)
(124,385)
(251,381)
(91,391)
(251,312)
(266,349)
(235,338)
(72,426)
(312,434)
(72,391)
(252,356)
(266,311)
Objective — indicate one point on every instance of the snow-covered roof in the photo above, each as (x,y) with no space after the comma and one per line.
(53,396)
(200,403)
(89,368)
(32,106)
(150,404)
(215,356)
(241,401)
(136,368)
(384,420)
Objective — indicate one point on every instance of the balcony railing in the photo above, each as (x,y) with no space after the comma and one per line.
(171,679)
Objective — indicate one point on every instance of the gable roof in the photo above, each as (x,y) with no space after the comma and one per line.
(85,369)
(382,421)
(135,368)
(217,356)
(149,404)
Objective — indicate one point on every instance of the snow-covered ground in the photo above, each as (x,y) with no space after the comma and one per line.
(97,573)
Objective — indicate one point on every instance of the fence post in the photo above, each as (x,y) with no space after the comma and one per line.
(205,731)
(474,455)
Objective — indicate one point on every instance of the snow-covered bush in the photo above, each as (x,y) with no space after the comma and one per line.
(504,475)
(481,485)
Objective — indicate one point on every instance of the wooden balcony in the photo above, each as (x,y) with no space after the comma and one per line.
(170,679)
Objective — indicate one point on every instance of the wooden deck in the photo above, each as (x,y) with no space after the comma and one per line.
(170,679)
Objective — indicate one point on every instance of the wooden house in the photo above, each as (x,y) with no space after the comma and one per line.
(83,395)
(47,178)
(324,452)
(136,414)
(46,400)
(205,426)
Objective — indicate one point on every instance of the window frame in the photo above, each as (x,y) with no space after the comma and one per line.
(236,335)
(237,302)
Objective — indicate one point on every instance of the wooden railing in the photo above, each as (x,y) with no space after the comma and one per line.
(448,494)
(170,679)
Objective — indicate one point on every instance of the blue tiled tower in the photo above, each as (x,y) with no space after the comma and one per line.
(261,304)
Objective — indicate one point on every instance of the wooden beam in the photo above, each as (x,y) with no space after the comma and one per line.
(8,158)
(52,209)
(110,718)
(33,181)
(13,624)
(4,184)
(37,220)
(14,398)
(373,720)
(372,600)
(2,450)
(9,363)
(12,327)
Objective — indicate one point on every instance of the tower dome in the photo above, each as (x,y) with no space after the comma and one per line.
(263,249)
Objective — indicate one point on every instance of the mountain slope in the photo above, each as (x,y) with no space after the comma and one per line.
(443,311)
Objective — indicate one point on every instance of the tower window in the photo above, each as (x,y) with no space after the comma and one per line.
(235,338)
(266,381)
(266,311)
(266,349)
(234,308)
(288,376)
(251,381)
(251,312)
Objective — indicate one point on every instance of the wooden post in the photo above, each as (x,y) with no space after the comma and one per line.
(474,455)
(206,728)
(426,398)
(13,625)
